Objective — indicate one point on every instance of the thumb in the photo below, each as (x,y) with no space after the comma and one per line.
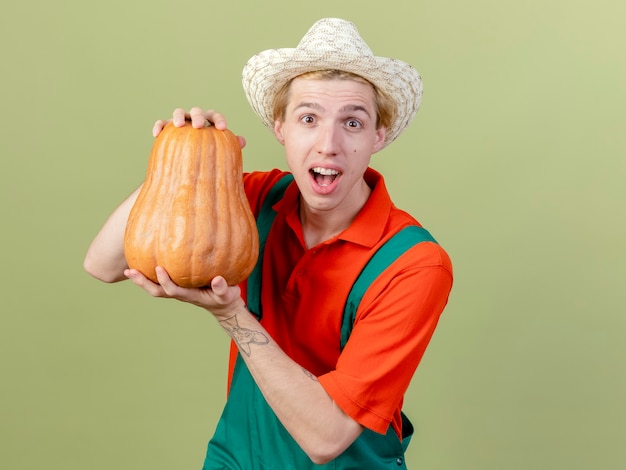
(219,286)
(242,141)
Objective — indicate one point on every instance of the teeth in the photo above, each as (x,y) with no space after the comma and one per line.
(325,171)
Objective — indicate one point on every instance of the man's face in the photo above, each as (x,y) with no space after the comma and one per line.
(329,133)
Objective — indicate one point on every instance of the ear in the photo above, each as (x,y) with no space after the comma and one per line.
(379,142)
(278,131)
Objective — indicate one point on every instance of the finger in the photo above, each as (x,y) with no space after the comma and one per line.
(158,126)
(155,290)
(198,117)
(178,117)
(218,119)
(242,141)
(166,283)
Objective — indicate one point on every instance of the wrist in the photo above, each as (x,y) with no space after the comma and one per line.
(245,330)
(224,312)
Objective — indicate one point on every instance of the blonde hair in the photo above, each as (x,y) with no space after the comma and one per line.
(386,109)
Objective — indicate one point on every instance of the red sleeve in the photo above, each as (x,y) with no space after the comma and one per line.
(257,184)
(395,322)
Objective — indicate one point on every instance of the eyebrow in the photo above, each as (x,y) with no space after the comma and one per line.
(309,105)
(355,107)
(349,107)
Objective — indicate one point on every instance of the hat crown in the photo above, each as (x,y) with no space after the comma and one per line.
(334,35)
(332,44)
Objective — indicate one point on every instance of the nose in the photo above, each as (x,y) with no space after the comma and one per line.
(328,140)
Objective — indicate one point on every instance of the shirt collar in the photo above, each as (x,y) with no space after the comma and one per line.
(368,226)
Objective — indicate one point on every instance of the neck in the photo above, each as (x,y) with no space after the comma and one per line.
(319,226)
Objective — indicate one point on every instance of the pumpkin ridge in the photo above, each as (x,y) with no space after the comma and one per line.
(192,210)
(172,153)
(203,200)
(224,230)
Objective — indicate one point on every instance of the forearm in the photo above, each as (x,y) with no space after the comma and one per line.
(302,405)
(105,258)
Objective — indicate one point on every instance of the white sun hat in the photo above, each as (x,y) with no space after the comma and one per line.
(332,44)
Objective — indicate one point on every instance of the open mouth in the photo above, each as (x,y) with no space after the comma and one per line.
(324,176)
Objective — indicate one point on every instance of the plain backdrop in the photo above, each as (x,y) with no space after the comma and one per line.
(515,162)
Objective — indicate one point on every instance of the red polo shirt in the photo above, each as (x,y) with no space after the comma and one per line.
(305,290)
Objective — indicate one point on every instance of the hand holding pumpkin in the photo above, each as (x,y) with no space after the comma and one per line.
(219,298)
(198,118)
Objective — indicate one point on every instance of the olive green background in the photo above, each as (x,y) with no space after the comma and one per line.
(515,162)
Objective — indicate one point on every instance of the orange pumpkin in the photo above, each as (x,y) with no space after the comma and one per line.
(192,216)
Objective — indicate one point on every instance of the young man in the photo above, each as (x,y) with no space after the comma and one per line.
(310,385)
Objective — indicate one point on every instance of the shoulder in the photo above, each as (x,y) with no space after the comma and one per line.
(428,254)
(257,185)
(426,249)
(417,267)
